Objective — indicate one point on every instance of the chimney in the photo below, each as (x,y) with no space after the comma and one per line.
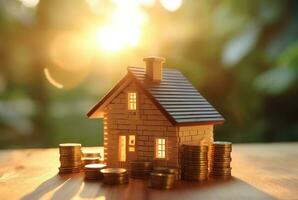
(154,67)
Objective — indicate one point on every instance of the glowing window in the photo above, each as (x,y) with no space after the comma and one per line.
(160,148)
(132,101)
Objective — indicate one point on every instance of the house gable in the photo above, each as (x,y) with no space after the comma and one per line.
(147,123)
(174,96)
(97,110)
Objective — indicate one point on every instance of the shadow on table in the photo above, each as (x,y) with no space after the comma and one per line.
(69,189)
(233,188)
(92,189)
(137,190)
(45,187)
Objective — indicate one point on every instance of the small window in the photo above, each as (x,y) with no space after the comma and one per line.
(131,143)
(132,101)
(160,148)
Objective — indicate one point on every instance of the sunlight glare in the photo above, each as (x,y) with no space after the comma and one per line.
(133,3)
(171,5)
(108,39)
(148,3)
(123,29)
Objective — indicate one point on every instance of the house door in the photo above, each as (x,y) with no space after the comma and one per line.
(122,150)
(126,150)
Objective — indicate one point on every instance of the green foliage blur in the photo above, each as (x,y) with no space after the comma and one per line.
(241,55)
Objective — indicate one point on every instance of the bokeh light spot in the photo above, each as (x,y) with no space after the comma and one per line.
(171,5)
(29,3)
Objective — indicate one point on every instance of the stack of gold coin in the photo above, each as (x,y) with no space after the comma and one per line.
(70,158)
(162,180)
(140,169)
(194,162)
(90,154)
(115,176)
(167,170)
(220,163)
(90,160)
(92,171)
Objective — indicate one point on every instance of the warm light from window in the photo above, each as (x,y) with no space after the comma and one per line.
(122,148)
(160,148)
(132,101)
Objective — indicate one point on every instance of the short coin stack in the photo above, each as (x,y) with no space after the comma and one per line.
(194,162)
(220,160)
(92,171)
(90,154)
(90,160)
(167,170)
(162,180)
(140,169)
(70,158)
(115,176)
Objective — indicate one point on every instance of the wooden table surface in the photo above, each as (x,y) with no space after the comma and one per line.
(261,171)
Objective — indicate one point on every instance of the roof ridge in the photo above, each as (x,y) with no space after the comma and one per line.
(173,86)
(143,67)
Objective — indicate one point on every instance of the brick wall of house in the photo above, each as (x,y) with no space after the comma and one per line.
(147,123)
(199,134)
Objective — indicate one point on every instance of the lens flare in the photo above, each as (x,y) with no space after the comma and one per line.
(51,79)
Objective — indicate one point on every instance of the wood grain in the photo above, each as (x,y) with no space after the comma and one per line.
(261,171)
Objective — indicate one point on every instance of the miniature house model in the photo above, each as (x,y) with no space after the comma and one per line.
(150,113)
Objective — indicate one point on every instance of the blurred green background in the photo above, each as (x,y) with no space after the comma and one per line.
(59,57)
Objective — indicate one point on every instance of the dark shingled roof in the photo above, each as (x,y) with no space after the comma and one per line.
(177,97)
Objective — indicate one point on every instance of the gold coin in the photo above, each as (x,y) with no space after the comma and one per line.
(95,166)
(113,171)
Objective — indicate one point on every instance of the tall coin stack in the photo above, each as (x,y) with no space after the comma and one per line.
(220,162)
(115,176)
(140,169)
(70,158)
(194,162)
